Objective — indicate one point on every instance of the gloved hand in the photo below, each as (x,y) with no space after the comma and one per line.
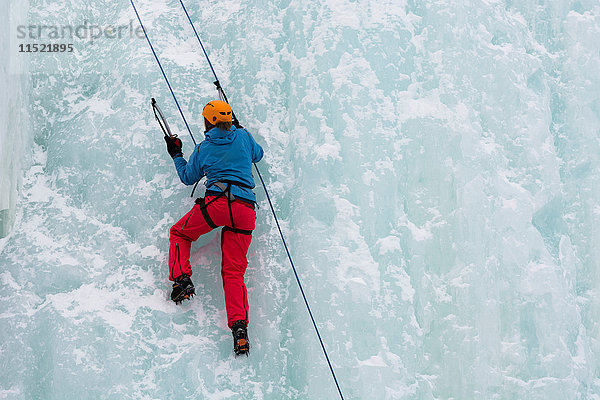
(237,124)
(174,146)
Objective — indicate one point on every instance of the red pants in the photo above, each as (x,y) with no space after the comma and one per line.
(234,247)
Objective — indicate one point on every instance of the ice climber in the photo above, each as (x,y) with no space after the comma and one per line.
(225,157)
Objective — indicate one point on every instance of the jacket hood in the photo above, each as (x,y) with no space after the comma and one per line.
(219,136)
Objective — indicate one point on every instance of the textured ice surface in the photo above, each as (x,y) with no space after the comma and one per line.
(15,135)
(435,167)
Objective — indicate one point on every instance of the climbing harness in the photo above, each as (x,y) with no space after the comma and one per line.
(225,187)
(227,191)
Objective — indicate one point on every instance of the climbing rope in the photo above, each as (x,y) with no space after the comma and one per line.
(224,97)
(222,92)
(163,71)
(216,82)
(300,286)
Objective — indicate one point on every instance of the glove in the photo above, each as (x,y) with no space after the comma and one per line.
(174,146)
(237,124)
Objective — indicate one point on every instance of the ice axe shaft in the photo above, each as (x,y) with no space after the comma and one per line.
(162,121)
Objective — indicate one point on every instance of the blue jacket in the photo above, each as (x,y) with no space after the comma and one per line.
(223,155)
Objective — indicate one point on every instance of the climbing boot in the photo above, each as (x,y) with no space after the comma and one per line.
(183,289)
(240,338)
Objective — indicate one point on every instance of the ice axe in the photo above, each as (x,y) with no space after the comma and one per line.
(162,121)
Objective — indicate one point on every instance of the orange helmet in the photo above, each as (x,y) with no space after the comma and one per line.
(217,111)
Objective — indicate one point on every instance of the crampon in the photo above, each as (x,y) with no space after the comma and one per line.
(183,289)
(240,338)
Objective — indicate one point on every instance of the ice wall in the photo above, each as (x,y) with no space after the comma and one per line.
(15,136)
(434,165)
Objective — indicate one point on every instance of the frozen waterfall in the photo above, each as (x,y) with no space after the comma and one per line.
(435,166)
